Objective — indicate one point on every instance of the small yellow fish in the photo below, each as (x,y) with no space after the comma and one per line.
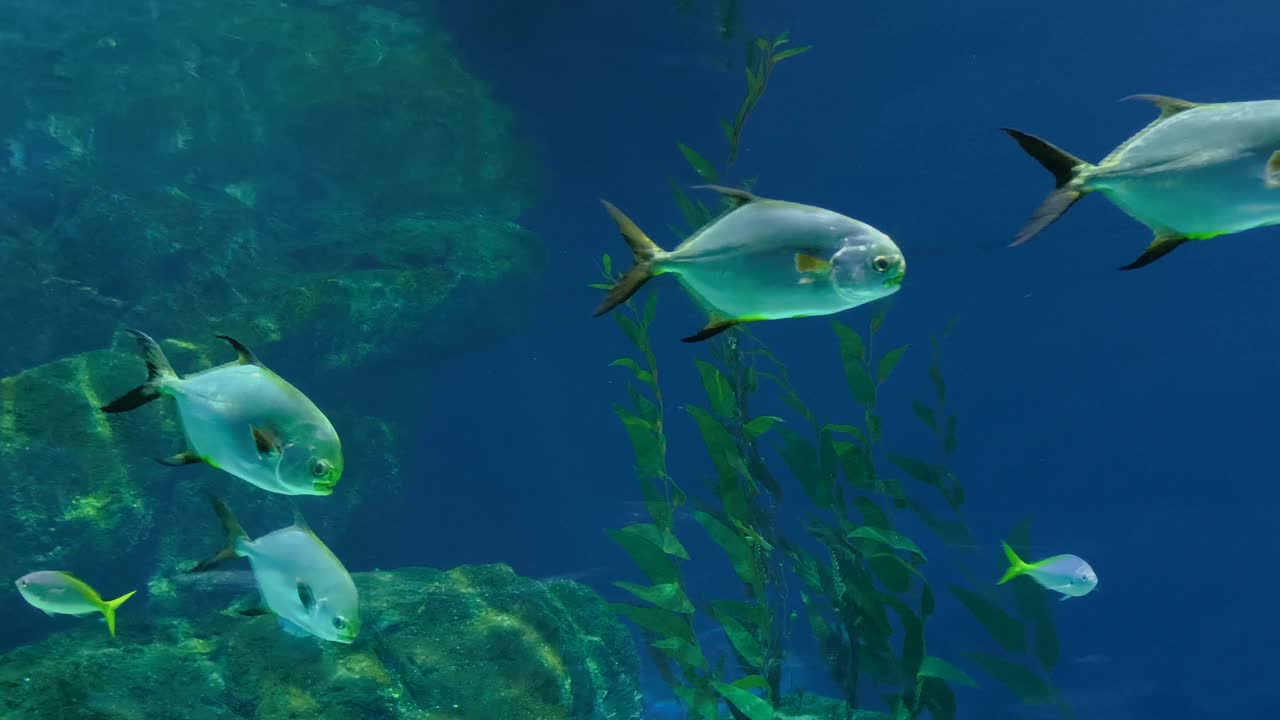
(57,592)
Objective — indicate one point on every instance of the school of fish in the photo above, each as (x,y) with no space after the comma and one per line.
(1198,171)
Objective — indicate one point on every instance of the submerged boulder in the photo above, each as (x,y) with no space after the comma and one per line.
(473,643)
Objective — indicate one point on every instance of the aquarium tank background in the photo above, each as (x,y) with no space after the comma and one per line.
(393,206)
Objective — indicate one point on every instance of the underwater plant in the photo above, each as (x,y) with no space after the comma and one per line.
(861,580)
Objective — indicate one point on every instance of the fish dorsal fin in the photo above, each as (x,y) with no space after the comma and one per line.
(245,355)
(299,521)
(733,195)
(1169,106)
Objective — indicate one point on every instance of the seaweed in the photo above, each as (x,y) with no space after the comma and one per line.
(860,578)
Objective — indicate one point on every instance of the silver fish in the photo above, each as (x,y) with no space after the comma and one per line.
(766,260)
(300,579)
(244,419)
(58,592)
(1198,171)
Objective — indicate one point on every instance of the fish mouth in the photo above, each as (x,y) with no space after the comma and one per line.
(895,281)
(323,487)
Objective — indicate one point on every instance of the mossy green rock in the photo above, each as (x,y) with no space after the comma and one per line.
(473,643)
(330,177)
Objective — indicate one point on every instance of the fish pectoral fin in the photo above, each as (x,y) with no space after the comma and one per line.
(186,457)
(306,596)
(1272,176)
(266,440)
(1064,598)
(736,197)
(244,356)
(714,327)
(1169,106)
(293,628)
(809,264)
(46,612)
(1161,246)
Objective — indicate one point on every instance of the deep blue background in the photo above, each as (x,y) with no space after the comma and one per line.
(1129,414)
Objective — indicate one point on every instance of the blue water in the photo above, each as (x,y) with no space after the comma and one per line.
(1127,414)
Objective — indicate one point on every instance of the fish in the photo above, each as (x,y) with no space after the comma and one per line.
(300,580)
(765,259)
(1197,171)
(244,419)
(58,592)
(1065,574)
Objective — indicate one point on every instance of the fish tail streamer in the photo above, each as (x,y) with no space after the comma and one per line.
(645,251)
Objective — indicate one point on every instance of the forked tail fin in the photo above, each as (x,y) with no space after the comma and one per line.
(158,370)
(233,534)
(109,610)
(1064,167)
(645,251)
(1016,565)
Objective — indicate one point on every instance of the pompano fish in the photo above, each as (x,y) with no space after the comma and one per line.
(300,579)
(1197,171)
(58,592)
(244,419)
(766,260)
(1066,574)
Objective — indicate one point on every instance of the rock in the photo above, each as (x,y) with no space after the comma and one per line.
(325,175)
(473,643)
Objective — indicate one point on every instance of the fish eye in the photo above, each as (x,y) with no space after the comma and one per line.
(881,263)
(320,468)
(339,624)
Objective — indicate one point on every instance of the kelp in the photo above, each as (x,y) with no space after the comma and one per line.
(861,581)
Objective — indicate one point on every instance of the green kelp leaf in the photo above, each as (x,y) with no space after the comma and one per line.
(936,695)
(753,706)
(1027,685)
(927,602)
(650,309)
(889,362)
(892,570)
(632,330)
(936,667)
(699,164)
(871,513)
(641,374)
(700,700)
(728,130)
(802,459)
(607,263)
(719,391)
(792,52)
(734,546)
(939,384)
(1002,626)
(926,415)
(695,214)
(751,682)
(651,549)
(949,444)
(742,640)
(894,540)
(912,637)
(855,462)
(688,655)
(927,473)
(747,613)
(853,354)
(599,286)
(662,623)
(953,533)
(874,427)
(668,596)
(644,442)
(760,425)
(724,455)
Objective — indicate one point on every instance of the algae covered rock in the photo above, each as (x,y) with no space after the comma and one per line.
(473,643)
(276,170)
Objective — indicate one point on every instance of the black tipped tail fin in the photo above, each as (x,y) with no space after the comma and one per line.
(158,369)
(1161,246)
(1064,167)
(231,530)
(645,251)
